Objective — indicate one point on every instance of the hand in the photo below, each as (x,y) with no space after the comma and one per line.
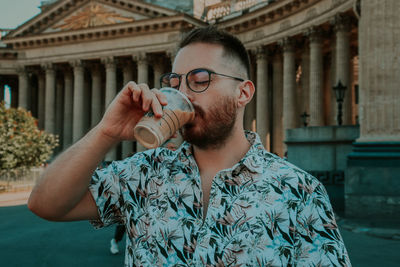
(128,107)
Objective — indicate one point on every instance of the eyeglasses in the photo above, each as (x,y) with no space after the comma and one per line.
(197,80)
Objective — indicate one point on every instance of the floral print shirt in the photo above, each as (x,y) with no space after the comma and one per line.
(262,212)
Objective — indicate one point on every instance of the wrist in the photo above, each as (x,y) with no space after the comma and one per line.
(103,138)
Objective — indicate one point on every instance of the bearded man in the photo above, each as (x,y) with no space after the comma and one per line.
(220,199)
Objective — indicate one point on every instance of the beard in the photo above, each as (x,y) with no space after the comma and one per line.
(213,127)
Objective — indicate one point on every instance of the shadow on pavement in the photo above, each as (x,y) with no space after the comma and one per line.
(27,240)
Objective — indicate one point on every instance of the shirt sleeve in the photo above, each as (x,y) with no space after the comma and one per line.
(105,188)
(318,240)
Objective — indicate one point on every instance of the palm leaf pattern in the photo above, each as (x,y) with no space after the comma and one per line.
(262,212)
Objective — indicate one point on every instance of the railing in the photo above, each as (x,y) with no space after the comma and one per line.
(19,180)
(226,7)
(3,32)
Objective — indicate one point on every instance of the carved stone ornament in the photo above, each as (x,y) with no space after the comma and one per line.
(140,57)
(90,16)
(109,62)
(261,52)
(287,44)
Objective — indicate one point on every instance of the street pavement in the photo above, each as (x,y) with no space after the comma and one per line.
(26,240)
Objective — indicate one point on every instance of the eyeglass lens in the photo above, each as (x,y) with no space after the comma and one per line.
(197,80)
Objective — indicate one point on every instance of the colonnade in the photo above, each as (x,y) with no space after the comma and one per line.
(293,76)
(299,88)
(72,96)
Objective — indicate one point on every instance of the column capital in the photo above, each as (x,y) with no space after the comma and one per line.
(109,62)
(47,66)
(140,57)
(261,52)
(341,22)
(21,69)
(77,63)
(287,44)
(314,34)
(171,53)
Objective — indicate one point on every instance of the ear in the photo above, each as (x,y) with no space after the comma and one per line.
(246,92)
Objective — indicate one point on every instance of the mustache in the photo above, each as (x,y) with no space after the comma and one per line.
(199,110)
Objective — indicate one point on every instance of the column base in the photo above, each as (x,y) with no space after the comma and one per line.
(372,184)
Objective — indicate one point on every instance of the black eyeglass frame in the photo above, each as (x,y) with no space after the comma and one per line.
(210,72)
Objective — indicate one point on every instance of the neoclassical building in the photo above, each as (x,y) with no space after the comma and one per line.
(67,64)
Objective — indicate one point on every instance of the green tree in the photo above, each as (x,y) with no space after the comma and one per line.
(22,144)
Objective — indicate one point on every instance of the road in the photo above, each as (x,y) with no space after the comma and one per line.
(27,240)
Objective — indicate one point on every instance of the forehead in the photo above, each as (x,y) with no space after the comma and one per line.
(199,55)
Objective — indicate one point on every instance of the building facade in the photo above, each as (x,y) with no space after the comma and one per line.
(67,63)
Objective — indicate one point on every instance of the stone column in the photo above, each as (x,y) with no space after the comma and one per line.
(372,179)
(87,91)
(250,110)
(79,103)
(158,68)
(328,91)
(143,74)
(290,118)
(50,94)
(305,81)
(96,113)
(68,112)
(332,118)
(23,84)
(316,78)
(111,91)
(41,99)
(277,106)
(127,72)
(171,54)
(59,101)
(342,28)
(379,71)
(262,100)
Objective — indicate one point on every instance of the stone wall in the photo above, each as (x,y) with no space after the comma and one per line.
(322,151)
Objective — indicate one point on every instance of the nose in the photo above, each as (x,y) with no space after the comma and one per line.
(183,88)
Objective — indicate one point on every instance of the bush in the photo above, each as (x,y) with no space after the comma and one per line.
(23,145)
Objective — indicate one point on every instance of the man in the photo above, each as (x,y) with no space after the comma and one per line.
(219,200)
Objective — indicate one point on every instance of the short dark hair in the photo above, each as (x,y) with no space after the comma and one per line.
(212,35)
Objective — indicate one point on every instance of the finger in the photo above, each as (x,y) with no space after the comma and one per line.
(147,97)
(135,90)
(156,107)
(160,96)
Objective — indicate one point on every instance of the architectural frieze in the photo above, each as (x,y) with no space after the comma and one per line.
(8,54)
(61,9)
(281,19)
(148,26)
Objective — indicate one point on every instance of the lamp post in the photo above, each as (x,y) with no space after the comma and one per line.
(340,90)
(304,117)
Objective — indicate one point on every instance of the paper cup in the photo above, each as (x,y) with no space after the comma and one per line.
(152,132)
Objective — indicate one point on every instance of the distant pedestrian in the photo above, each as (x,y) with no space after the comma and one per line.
(118,235)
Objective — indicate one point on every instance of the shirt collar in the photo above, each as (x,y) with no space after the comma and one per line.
(253,160)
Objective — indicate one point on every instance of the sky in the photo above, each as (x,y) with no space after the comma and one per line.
(16,12)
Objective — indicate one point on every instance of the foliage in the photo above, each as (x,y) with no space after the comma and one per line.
(23,145)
